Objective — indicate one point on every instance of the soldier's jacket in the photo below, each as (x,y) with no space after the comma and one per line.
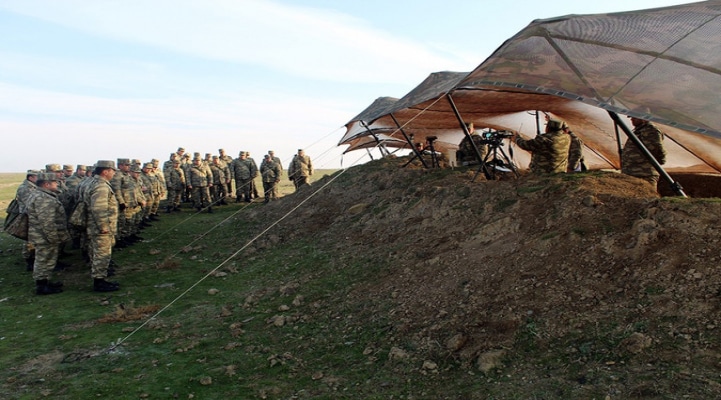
(175,179)
(466,151)
(199,176)
(121,184)
(23,194)
(66,197)
(633,162)
(244,169)
(575,153)
(102,206)
(549,151)
(146,186)
(270,171)
(300,166)
(72,183)
(47,223)
(277,161)
(218,174)
(134,196)
(228,160)
(157,180)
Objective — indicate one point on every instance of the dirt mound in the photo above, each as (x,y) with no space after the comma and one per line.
(595,267)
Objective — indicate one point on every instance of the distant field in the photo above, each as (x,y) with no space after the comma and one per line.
(9,182)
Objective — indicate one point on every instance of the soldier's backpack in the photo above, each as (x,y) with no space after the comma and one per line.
(16,222)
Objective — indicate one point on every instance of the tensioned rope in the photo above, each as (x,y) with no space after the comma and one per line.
(114,345)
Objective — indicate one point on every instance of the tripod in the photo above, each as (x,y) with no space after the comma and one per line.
(496,162)
(434,156)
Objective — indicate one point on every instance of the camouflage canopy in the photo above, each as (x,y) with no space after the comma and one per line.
(660,64)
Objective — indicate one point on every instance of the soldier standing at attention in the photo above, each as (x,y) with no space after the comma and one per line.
(270,172)
(22,195)
(120,182)
(47,230)
(244,171)
(550,150)
(633,161)
(199,180)
(300,169)
(102,206)
(176,186)
(279,163)
(217,192)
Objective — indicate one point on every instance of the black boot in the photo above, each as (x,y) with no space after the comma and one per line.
(43,287)
(210,210)
(30,264)
(101,285)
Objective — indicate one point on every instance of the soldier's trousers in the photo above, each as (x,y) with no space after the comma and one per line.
(46,256)
(243,188)
(269,189)
(174,197)
(100,250)
(201,196)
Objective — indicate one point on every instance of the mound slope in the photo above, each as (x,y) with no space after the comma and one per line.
(587,277)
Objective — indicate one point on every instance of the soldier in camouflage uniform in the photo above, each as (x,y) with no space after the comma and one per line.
(270,172)
(102,207)
(217,192)
(135,204)
(22,195)
(576,162)
(300,169)
(279,163)
(175,181)
(466,154)
(550,150)
(244,172)
(633,162)
(149,192)
(159,189)
(120,183)
(72,183)
(47,230)
(253,185)
(225,163)
(199,181)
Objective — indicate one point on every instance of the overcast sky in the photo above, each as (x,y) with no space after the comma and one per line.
(83,80)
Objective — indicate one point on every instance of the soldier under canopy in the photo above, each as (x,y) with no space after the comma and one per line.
(466,154)
(549,152)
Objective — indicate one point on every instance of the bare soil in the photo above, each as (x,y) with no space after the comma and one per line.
(577,283)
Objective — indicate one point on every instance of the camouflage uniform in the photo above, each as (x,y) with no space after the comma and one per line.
(135,202)
(217,192)
(549,151)
(270,171)
(198,182)
(575,154)
(244,172)
(120,184)
(466,154)
(102,226)
(634,163)
(148,185)
(279,163)
(253,186)
(159,186)
(47,230)
(22,195)
(300,169)
(176,186)
(226,162)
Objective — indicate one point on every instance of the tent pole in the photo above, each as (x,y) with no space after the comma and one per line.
(378,142)
(410,142)
(618,143)
(632,137)
(468,135)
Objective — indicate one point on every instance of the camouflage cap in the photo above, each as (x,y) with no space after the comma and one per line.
(221,150)
(181,149)
(48,176)
(148,165)
(215,158)
(82,167)
(241,153)
(556,124)
(105,164)
(123,161)
(207,155)
(67,167)
(33,172)
(136,161)
(135,168)
(53,168)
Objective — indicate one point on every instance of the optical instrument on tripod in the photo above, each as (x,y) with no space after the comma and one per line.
(496,162)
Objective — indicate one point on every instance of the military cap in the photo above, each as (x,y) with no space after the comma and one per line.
(241,153)
(271,152)
(33,172)
(53,168)
(266,156)
(155,161)
(186,155)
(215,157)
(299,150)
(67,167)
(556,124)
(221,150)
(105,164)
(135,161)
(176,162)
(135,168)
(123,161)
(82,167)
(148,165)
(181,149)
(48,176)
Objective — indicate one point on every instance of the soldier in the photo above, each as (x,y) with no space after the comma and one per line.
(225,162)
(576,162)
(47,230)
(279,163)
(244,172)
(120,183)
(175,183)
(550,150)
(186,164)
(102,220)
(199,180)
(253,186)
(270,172)
(466,154)
(159,191)
(300,169)
(633,161)
(135,204)
(147,185)
(22,195)
(217,192)
(73,182)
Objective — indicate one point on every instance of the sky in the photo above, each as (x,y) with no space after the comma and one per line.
(88,80)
